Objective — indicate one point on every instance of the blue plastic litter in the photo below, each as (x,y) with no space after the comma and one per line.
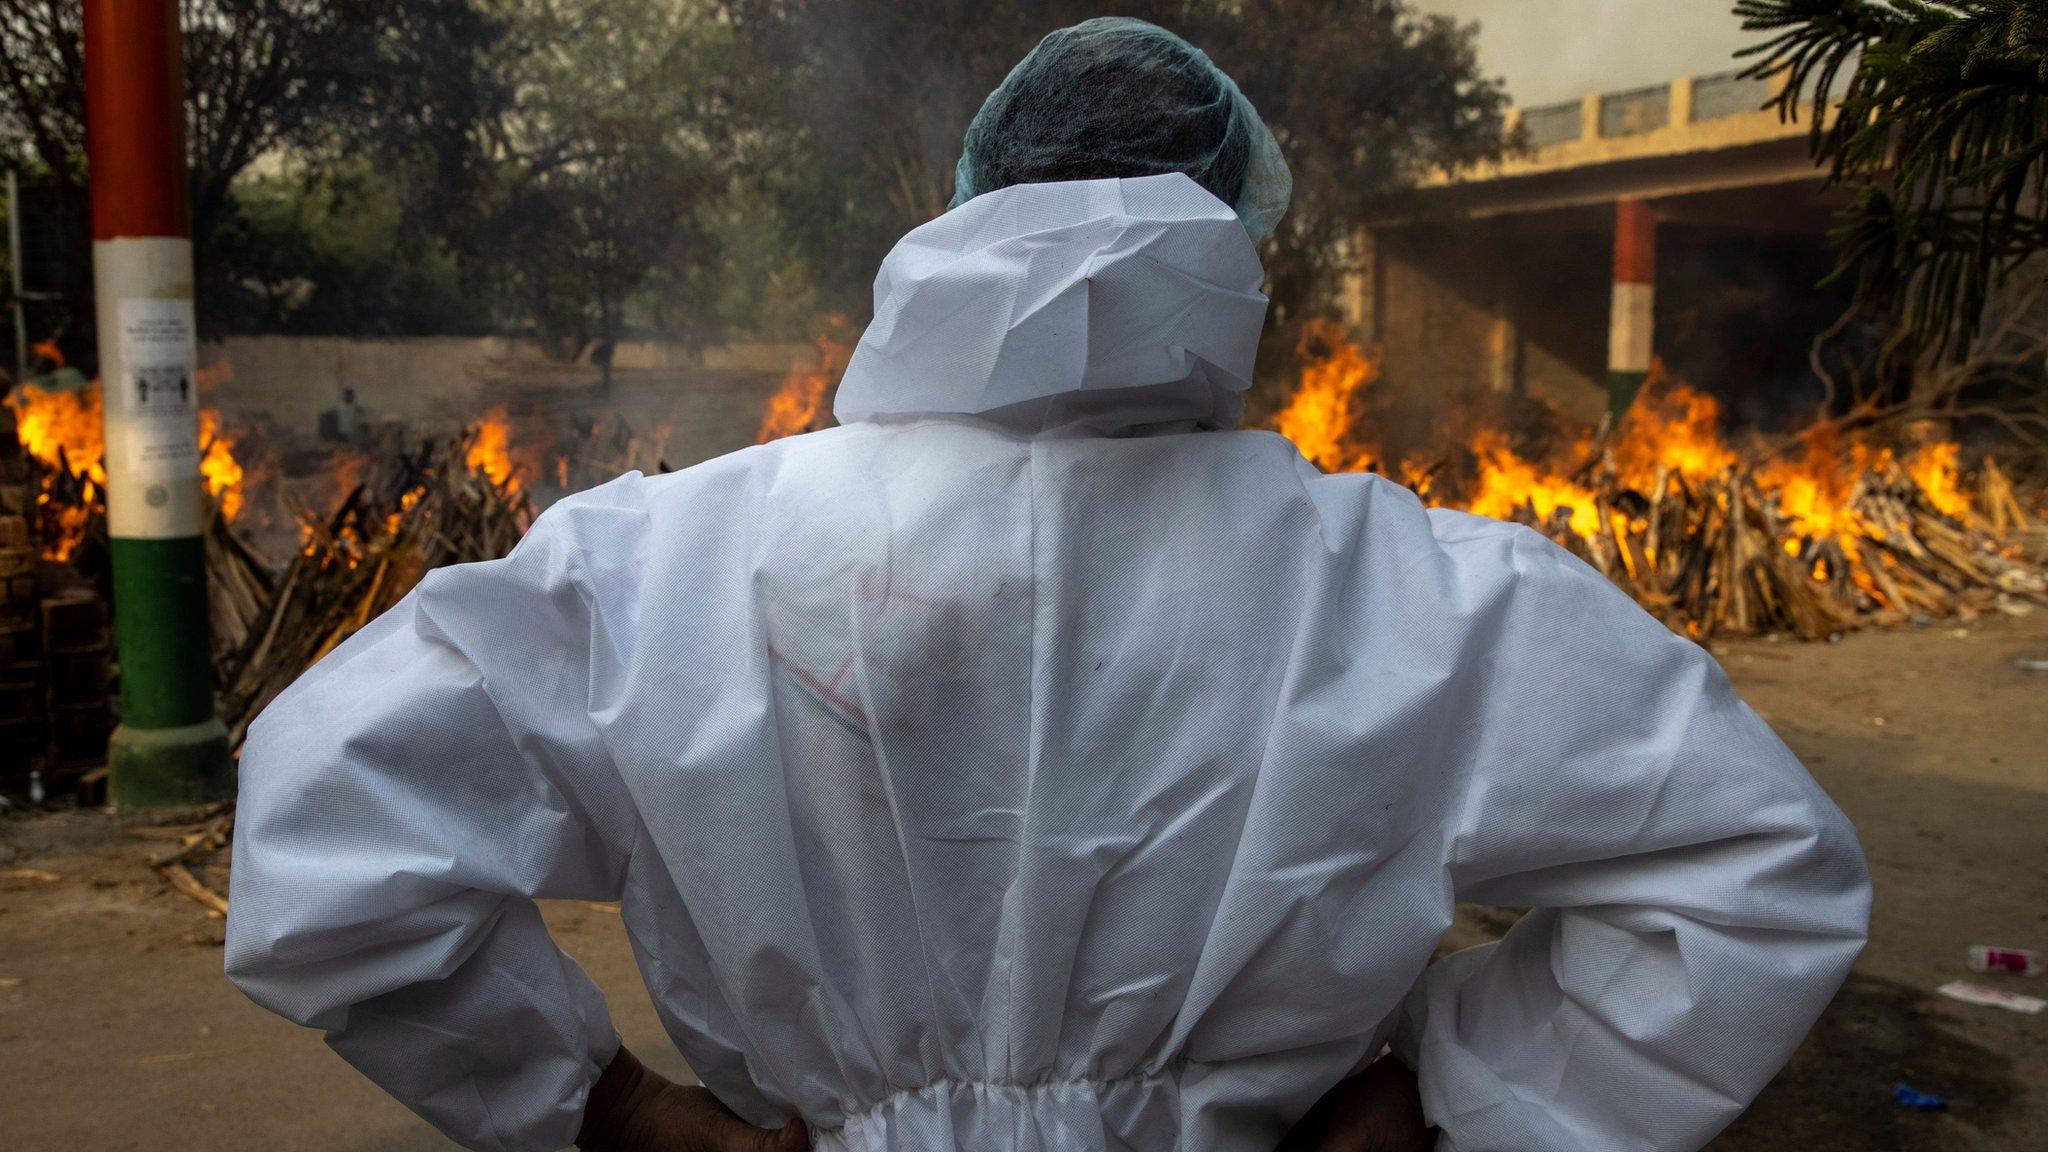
(1919,1101)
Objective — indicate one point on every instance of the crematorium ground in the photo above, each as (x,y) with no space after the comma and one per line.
(117,1031)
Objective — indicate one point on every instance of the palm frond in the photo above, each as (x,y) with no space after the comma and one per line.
(1936,112)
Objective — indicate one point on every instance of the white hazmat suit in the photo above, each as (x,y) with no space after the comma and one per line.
(1034,764)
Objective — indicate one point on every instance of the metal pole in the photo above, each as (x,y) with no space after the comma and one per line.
(170,747)
(14,269)
(1632,326)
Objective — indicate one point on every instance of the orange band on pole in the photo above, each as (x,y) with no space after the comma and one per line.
(135,118)
(1635,243)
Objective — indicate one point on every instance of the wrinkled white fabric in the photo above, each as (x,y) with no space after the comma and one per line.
(1023,766)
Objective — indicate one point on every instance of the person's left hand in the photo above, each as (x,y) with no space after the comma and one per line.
(1378,1110)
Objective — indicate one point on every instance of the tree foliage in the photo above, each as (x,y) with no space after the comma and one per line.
(262,76)
(1366,97)
(581,167)
(1942,132)
(402,80)
(327,248)
(866,103)
(600,163)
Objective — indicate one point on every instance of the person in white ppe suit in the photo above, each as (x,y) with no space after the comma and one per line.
(1036,763)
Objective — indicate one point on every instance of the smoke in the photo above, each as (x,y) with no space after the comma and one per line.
(1556,50)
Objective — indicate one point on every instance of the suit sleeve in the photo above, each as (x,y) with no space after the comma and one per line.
(401,807)
(1695,899)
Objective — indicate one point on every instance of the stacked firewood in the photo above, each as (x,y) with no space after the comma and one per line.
(240,583)
(1719,556)
(417,512)
(56,651)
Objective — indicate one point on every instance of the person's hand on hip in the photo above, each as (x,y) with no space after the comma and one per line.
(631,1109)
(1378,1110)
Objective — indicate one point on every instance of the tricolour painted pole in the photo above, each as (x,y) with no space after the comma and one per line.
(170,748)
(1633,320)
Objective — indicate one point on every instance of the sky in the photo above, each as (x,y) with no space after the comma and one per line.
(1555,50)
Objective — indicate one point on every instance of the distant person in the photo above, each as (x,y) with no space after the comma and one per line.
(348,417)
(343,423)
(1036,763)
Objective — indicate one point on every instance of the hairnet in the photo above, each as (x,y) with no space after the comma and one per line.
(1120,97)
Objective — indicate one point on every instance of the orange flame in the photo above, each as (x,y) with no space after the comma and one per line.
(1322,415)
(490,451)
(217,463)
(798,405)
(1816,487)
(61,428)
(1935,468)
(1671,428)
(794,407)
(1509,484)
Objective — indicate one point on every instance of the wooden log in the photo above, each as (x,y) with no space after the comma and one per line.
(188,885)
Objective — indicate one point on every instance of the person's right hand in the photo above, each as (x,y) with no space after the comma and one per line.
(1378,1110)
(631,1109)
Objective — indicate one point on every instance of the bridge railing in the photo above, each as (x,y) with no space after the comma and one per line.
(1635,112)
(1553,124)
(1729,94)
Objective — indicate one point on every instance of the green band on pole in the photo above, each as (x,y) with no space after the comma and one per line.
(1621,391)
(170,748)
(160,621)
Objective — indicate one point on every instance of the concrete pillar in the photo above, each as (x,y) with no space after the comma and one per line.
(1504,348)
(1356,297)
(170,748)
(1631,327)
(1591,108)
(1683,102)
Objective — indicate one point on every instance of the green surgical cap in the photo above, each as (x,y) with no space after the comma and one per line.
(1120,97)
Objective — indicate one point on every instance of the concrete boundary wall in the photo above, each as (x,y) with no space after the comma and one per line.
(290,380)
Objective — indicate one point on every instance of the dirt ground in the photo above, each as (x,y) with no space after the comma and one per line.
(117,1031)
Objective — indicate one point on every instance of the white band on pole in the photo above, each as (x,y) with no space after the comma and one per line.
(149,380)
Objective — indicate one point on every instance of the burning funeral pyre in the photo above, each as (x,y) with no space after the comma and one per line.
(55,643)
(1812,539)
(1832,534)
(391,514)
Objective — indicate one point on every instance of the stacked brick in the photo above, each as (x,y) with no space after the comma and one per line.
(55,644)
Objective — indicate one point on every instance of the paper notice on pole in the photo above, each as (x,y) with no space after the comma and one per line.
(158,403)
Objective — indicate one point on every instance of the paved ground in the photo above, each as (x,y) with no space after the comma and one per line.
(117,1031)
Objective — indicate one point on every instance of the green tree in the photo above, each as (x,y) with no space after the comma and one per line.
(1941,131)
(399,79)
(605,157)
(1366,97)
(326,246)
(864,104)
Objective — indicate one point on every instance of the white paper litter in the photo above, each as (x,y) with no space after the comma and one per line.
(1970,993)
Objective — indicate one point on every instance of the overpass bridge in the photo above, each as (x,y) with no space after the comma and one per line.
(1542,272)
